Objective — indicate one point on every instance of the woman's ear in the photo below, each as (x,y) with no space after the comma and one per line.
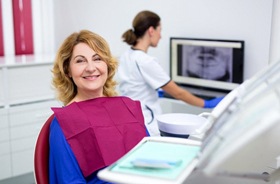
(151,30)
(69,74)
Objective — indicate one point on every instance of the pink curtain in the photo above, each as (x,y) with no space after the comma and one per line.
(1,32)
(23,32)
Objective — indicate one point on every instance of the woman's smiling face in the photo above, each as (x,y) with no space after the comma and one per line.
(88,71)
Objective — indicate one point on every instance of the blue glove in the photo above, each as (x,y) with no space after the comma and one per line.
(160,93)
(212,103)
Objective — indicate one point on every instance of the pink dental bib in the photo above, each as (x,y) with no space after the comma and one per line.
(101,130)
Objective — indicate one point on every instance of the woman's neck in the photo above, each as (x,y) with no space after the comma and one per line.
(79,98)
(142,44)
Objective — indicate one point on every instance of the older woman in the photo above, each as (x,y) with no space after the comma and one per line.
(95,127)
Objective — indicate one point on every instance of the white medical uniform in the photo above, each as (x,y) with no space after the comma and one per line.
(139,76)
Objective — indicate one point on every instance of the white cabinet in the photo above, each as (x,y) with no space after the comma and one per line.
(2,87)
(29,83)
(26,97)
(5,147)
(25,123)
(6,167)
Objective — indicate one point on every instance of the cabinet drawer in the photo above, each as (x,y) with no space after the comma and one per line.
(31,113)
(2,92)
(4,134)
(4,118)
(22,162)
(5,148)
(29,83)
(5,167)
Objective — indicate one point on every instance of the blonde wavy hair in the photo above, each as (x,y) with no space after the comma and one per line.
(65,87)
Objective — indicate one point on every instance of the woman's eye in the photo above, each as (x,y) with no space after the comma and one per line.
(80,60)
(97,59)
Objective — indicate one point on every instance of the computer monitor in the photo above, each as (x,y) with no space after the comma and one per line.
(207,63)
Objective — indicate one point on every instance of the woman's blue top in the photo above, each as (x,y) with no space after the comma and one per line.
(63,166)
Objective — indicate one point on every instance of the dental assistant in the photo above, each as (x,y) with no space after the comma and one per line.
(140,75)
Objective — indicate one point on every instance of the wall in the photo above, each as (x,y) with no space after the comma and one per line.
(275,33)
(248,20)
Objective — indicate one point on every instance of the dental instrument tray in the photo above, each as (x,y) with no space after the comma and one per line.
(164,160)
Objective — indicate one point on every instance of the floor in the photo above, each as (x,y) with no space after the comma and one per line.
(23,179)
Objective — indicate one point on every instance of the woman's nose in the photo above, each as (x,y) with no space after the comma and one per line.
(90,66)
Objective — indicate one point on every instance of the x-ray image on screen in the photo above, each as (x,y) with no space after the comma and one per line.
(206,62)
(211,64)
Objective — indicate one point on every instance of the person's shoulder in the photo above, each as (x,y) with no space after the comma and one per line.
(142,54)
(136,53)
(55,130)
(54,124)
(144,58)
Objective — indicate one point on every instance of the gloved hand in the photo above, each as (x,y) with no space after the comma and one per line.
(160,93)
(212,103)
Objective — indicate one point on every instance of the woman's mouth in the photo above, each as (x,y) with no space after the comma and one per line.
(92,77)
